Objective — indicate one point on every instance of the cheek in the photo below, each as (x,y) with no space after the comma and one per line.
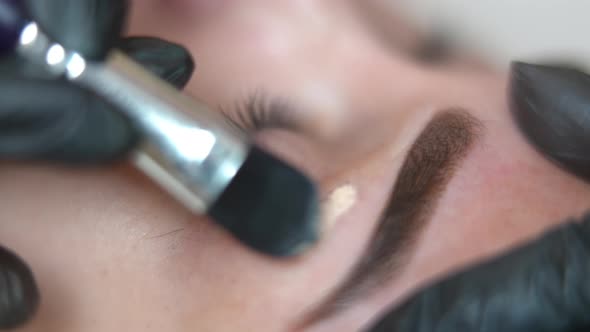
(108,248)
(87,236)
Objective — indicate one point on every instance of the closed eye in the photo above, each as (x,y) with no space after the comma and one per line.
(260,112)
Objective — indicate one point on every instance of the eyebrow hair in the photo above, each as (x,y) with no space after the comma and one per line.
(424,175)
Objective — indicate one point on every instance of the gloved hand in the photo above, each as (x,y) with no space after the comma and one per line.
(543,286)
(53,120)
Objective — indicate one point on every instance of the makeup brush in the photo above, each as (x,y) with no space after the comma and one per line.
(188,149)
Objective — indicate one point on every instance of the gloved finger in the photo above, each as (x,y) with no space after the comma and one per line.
(91,27)
(552,108)
(19,296)
(55,120)
(66,123)
(542,287)
(169,61)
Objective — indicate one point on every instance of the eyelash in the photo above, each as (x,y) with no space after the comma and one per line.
(258,112)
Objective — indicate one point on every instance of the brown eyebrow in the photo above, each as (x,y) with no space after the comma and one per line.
(427,169)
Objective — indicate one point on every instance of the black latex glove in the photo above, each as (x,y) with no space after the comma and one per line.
(48,119)
(55,120)
(543,286)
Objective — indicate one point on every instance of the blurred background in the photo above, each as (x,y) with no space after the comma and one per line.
(501,30)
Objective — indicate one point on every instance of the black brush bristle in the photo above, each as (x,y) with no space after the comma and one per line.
(269,206)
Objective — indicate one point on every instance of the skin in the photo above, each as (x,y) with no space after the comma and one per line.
(112,252)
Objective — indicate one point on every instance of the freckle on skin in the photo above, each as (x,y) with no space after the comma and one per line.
(340,201)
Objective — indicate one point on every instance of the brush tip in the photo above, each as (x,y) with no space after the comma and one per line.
(269,206)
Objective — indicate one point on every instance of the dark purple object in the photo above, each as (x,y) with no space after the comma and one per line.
(12,21)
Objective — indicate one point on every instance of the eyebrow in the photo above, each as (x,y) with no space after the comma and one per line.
(424,175)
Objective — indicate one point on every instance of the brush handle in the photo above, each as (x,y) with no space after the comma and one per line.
(188,149)
(12,21)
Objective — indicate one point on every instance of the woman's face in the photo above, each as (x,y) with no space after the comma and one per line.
(420,168)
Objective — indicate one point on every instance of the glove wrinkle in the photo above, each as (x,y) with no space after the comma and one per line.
(94,135)
(62,122)
(26,126)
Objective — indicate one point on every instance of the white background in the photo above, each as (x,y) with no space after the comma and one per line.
(510,29)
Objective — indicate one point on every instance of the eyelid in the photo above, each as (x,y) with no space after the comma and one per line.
(259,112)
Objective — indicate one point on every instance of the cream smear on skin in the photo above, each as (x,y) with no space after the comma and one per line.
(340,201)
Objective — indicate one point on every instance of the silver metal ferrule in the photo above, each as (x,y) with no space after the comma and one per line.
(188,149)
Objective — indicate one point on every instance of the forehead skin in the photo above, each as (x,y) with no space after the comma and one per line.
(112,252)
